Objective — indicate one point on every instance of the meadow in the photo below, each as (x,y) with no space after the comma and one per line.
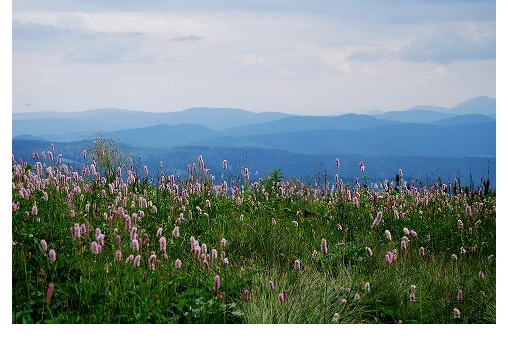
(108,242)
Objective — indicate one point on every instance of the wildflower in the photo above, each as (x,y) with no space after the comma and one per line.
(405,230)
(356,202)
(456,313)
(346,290)
(137,260)
(295,223)
(454,257)
(52,255)
(129,259)
(176,232)
(462,250)
(214,254)
(389,257)
(388,235)
(412,297)
(44,246)
(274,222)
(95,248)
(343,301)
(159,232)
(224,261)
(421,252)
(366,287)
(224,164)
(162,244)
(460,224)
(460,296)
(481,275)
(282,297)
(378,219)
(469,212)
(35,210)
(135,244)
(361,165)
(413,288)
(216,282)
(118,255)
(145,169)
(368,251)
(403,245)
(223,244)
(49,293)
(178,264)
(413,233)
(271,285)
(151,261)
(77,230)
(339,227)
(489,258)
(335,318)
(324,247)
(296,264)
(314,254)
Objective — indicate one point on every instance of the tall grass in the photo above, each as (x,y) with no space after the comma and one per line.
(266,225)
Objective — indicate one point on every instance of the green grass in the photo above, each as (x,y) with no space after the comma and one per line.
(96,288)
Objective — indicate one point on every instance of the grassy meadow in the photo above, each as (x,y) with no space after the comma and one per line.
(108,242)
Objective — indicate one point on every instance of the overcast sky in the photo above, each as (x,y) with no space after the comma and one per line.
(304,57)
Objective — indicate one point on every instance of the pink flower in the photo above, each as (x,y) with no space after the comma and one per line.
(52,255)
(223,244)
(135,244)
(129,259)
(49,293)
(162,244)
(118,255)
(403,245)
(95,248)
(335,318)
(151,261)
(378,219)
(271,285)
(44,246)
(343,301)
(481,275)
(324,247)
(178,264)
(35,210)
(295,223)
(413,233)
(421,252)
(356,202)
(460,224)
(454,257)
(214,254)
(216,283)
(412,297)
(137,260)
(469,212)
(389,257)
(413,288)
(145,169)
(296,264)
(460,296)
(274,222)
(357,297)
(176,232)
(224,164)
(362,166)
(159,232)
(282,297)
(456,313)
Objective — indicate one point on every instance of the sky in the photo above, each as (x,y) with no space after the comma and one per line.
(299,56)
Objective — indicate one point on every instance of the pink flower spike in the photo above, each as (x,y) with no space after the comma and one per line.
(44,246)
(178,264)
(52,255)
(296,264)
(137,260)
(216,283)
(162,243)
(456,313)
(324,247)
(421,252)
(49,293)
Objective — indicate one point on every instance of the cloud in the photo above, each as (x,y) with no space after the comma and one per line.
(187,38)
(77,45)
(444,44)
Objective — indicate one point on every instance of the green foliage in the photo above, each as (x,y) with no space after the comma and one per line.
(97,288)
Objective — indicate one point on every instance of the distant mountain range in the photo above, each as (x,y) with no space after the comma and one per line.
(443,136)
